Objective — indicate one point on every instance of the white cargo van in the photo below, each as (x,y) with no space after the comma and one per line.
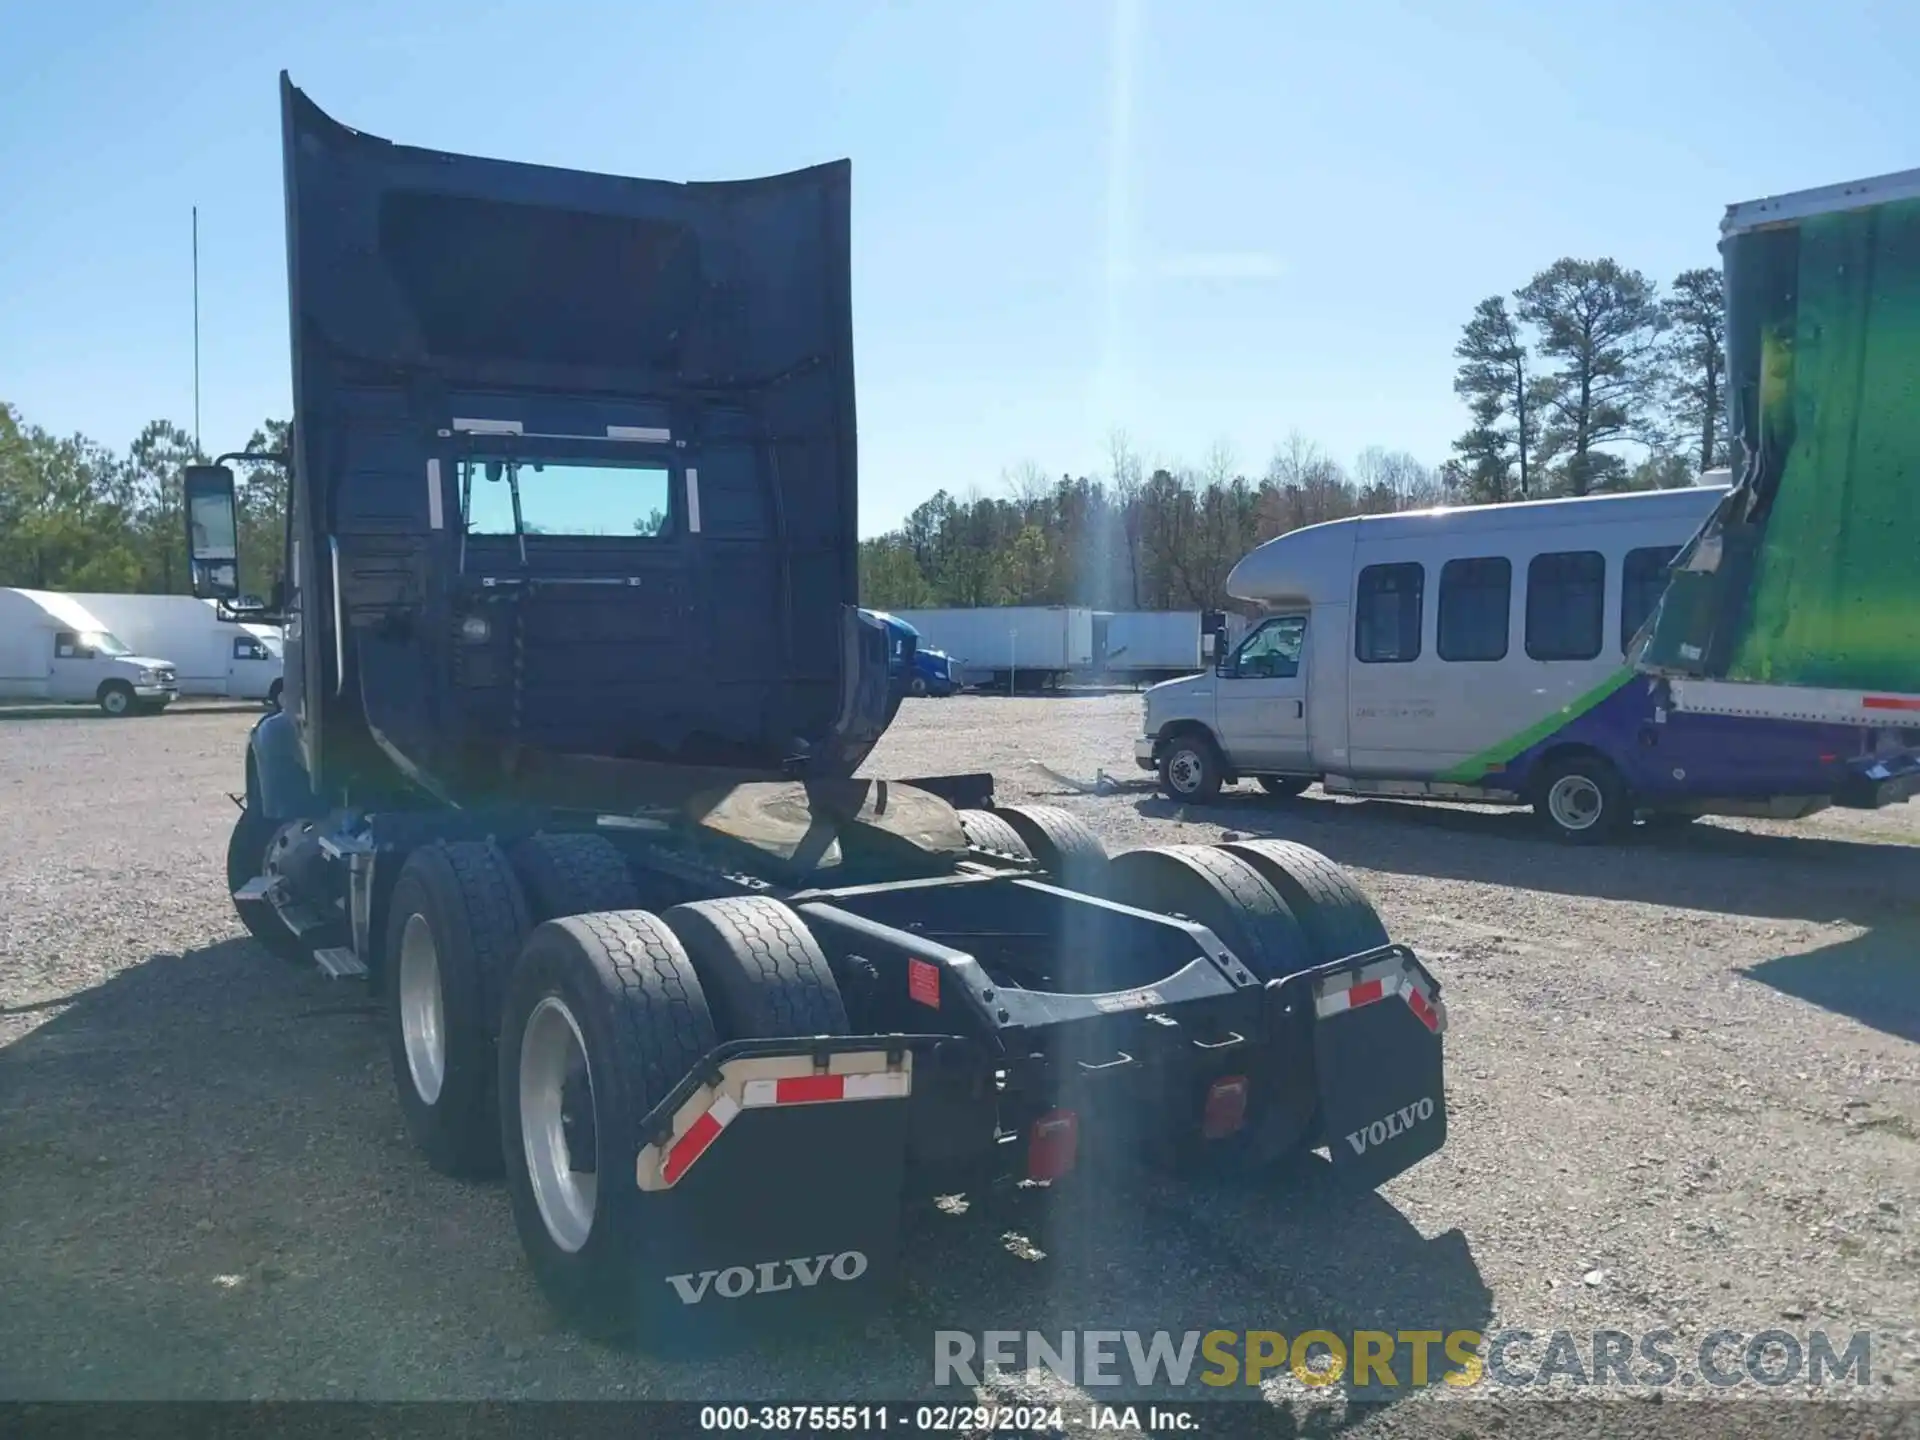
(53,649)
(212,656)
(1479,655)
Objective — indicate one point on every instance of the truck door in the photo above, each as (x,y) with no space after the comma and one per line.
(251,670)
(1262,704)
(77,670)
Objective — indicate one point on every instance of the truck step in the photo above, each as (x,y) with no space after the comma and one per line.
(254,889)
(340,963)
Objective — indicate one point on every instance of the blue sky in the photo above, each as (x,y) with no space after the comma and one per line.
(1195,223)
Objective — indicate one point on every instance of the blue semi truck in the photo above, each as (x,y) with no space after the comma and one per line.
(914,669)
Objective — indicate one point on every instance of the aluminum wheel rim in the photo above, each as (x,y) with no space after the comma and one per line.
(1184,771)
(1575,802)
(116,702)
(422,1017)
(549,1047)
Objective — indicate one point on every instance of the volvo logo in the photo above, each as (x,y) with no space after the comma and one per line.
(769,1276)
(1385,1129)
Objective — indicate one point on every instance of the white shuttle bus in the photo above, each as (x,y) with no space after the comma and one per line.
(1479,654)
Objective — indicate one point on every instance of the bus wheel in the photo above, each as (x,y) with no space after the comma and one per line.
(1581,801)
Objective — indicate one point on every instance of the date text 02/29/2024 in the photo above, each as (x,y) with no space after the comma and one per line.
(938,1419)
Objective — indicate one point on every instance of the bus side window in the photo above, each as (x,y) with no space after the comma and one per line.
(1386,617)
(1643,579)
(1475,600)
(1566,605)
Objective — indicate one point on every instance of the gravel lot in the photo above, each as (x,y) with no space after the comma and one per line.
(1684,1076)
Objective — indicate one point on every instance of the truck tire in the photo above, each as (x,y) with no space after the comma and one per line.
(454,927)
(1191,769)
(603,1017)
(917,687)
(573,874)
(273,695)
(1221,891)
(115,698)
(1581,800)
(1061,843)
(987,831)
(247,860)
(764,974)
(1335,912)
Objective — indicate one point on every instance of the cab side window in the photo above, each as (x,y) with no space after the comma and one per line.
(67,646)
(1273,651)
(245,647)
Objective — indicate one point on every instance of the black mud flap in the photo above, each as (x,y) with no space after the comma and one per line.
(1378,1022)
(771,1198)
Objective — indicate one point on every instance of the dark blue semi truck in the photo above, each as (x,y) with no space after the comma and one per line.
(577,690)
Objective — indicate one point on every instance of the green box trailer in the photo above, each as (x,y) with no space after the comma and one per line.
(1797,598)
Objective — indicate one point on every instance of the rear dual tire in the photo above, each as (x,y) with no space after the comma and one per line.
(455,926)
(605,1014)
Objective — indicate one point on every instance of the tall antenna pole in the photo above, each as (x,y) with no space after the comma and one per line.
(196,327)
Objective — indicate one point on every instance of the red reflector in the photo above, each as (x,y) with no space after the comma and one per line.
(1889,702)
(923,983)
(1363,994)
(1420,1006)
(1226,1108)
(803,1089)
(702,1133)
(1052,1145)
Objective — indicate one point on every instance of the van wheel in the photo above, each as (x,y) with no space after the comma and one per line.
(603,1017)
(1285,786)
(1581,801)
(1190,768)
(454,928)
(116,699)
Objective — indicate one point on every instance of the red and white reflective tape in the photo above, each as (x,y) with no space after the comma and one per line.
(690,1146)
(812,1089)
(748,1085)
(1380,981)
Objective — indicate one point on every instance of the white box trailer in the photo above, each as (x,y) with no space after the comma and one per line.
(1149,644)
(55,650)
(212,656)
(1009,645)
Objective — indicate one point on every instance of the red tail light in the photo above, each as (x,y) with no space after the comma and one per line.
(1052,1145)
(1226,1108)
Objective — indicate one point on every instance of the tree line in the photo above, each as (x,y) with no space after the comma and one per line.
(1589,381)
(78,516)
(1585,379)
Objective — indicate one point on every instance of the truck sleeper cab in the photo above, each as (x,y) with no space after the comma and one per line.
(640,941)
(1480,655)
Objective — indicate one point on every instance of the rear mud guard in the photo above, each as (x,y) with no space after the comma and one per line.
(771,1185)
(1377,1054)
